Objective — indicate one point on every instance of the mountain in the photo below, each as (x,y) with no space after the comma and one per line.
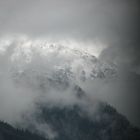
(58,67)
(50,82)
(73,123)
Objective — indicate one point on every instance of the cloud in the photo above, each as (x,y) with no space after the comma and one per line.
(107,29)
(30,77)
(90,19)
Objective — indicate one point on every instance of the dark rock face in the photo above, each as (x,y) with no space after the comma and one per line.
(71,123)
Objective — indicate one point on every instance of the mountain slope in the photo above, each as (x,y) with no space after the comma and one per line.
(72,123)
(49,87)
(7,132)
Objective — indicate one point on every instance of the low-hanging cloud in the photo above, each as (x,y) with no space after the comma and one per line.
(31,76)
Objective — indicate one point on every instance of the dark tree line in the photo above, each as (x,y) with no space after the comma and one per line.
(7,132)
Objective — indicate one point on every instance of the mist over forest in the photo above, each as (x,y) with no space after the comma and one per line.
(69,69)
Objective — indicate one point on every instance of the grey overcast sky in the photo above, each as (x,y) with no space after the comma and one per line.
(115,22)
(86,19)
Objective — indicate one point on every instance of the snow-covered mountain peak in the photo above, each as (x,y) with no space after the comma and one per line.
(58,63)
